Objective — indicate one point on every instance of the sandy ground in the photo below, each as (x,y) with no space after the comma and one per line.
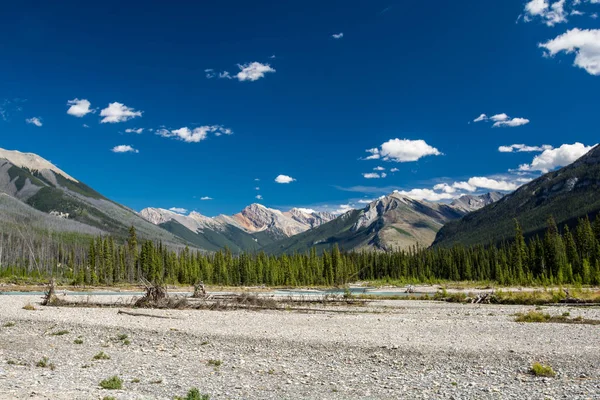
(387,350)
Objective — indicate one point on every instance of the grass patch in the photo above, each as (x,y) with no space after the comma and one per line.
(538,369)
(156,382)
(29,307)
(193,394)
(43,363)
(78,341)
(122,337)
(215,363)
(109,398)
(101,356)
(9,324)
(135,380)
(539,317)
(113,383)
(60,333)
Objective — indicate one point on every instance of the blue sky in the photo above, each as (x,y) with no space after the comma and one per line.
(227,93)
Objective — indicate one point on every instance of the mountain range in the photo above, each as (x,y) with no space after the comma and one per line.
(566,194)
(38,196)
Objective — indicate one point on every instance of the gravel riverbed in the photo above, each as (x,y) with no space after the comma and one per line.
(386,350)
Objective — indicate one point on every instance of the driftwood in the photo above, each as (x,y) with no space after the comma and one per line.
(50,298)
(134,314)
(199,291)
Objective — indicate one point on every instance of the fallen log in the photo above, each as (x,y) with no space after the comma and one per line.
(135,314)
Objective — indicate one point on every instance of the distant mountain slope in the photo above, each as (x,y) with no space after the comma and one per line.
(470,203)
(253,228)
(392,222)
(39,184)
(566,194)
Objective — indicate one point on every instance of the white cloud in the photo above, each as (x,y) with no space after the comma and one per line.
(365,201)
(85,125)
(371,175)
(34,121)
(194,135)
(79,108)
(338,35)
(554,158)
(521,148)
(426,194)
(482,117)
(257,179)
(178,210)
(502,120)
(210,73)
(499,117)
(253,71)
(464,186)
(259,197)
(511,123)
(124,148)
(374,154)
(117,112)
(383,175)
(343,208)
(138,130)
(394,170)
(444,187)
(584,43)
(257,188)
(403,150)
(206,198)
(594,16)
(550,14)
(378,169)
(284,179)
(492,184)
(306,210)
(225,75)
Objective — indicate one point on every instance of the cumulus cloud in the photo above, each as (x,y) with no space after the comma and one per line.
(444,187)
(193,135)
(79,108)
(511,123)
(124,148)
(178,210)
(225,75)
(502,120)
(558,157)
(464,186)
(343,208)
(550,13)
(210,73)
(371,175)
(134,130)
(492,184)
(402,150)
(584,43)
(85,125)
(206,198)
(338,35)
(378,169)
(426,194)
(257,188)
(521,148)
(482,117)
(284,179)
(394,170)
(117,112)
(366,201)
(34,121)
(253,71)
(258,197)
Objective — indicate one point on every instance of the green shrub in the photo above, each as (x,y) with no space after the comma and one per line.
(114,383)
(194,394)
(538,369)
(215,363)
(9,324)
(78,341)
(60,333)
(101,356)
(533,316)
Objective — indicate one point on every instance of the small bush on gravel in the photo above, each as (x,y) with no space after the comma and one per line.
(194,394)
(122,337)
(78,341)
(114,383)
(533,316)
(60,333)
(538,369)
(135,380)
(215,363)
(9,324)
(101,356)
(29,307)
(43,363)
(109,398)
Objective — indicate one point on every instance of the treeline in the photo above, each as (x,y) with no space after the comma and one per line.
(556,258)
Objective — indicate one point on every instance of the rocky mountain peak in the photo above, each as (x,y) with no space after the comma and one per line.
(32,162)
